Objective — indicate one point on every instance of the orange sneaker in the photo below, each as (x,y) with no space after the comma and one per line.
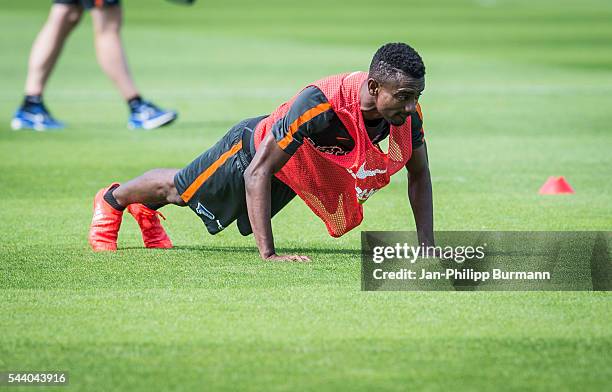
(105,223)
(153,233)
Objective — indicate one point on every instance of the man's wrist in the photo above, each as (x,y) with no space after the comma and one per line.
(426,238)
(267,254)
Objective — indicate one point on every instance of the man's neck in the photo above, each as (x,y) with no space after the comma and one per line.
(367,103)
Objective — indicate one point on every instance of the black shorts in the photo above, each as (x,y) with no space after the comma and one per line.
(213,184)
(89,4)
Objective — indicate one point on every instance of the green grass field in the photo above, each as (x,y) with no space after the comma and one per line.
(516,91)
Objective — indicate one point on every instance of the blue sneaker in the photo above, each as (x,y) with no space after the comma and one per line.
(35,117)
(148,116)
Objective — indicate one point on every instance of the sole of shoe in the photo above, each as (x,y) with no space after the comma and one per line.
(17,124)
(102,248)
(158,247)
(164,119)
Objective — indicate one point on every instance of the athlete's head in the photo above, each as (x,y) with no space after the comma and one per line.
(396,80)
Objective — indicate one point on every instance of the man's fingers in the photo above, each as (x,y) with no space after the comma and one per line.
(298,258)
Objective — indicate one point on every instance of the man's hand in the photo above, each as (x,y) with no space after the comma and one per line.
(298,258)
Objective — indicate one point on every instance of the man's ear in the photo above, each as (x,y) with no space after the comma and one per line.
(373,87)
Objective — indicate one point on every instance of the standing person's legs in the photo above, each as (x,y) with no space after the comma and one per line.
(32,114)
(48,45)
(107,22)
(111,56)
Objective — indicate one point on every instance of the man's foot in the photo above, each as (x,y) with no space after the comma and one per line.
(35,117)
(145,115)
(153,233)
(105,223)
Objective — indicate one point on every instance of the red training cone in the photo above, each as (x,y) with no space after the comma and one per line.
(556,185)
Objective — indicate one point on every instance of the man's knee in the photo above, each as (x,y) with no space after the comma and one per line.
(74,16)
(175,198)
(171,193)
(162,182)
(107,20)
(65,15)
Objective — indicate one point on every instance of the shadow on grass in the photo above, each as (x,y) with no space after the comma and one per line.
(253,250)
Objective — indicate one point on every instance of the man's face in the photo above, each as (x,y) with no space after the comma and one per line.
(396,98)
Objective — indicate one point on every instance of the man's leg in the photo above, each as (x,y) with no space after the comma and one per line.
(142,197)
(45,51)
(155,187)
(109,49)
(107,22)
(48,45)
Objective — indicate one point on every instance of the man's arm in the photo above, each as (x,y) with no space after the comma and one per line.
(420,195)
(309,113)
(268,159)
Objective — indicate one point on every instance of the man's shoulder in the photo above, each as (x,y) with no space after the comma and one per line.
(310,98)
(343,89)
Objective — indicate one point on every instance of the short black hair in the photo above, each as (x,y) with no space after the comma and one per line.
(392,58)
